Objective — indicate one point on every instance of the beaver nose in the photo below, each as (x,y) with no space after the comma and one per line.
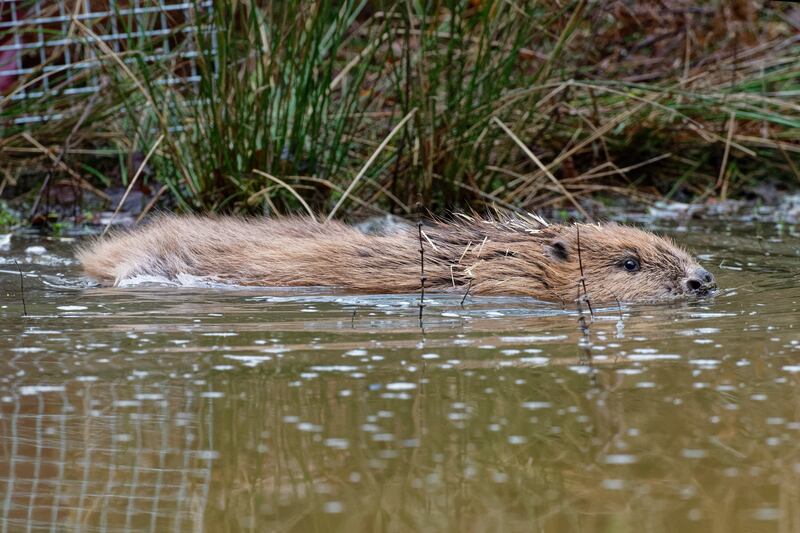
(701,281)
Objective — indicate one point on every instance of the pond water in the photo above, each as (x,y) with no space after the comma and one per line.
(161,409)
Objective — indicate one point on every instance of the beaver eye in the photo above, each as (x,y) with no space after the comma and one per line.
(631,265)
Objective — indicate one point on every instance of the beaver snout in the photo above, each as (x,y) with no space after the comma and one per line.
(700,282)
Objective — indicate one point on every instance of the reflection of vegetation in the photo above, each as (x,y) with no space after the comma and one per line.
(678,100)
(7,217)
(462,453)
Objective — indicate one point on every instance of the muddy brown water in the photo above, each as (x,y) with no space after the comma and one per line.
(206,409)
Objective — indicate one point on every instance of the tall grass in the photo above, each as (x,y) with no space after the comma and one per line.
(295,97)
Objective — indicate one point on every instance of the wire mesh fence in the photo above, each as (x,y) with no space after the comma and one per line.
(57,49)
(94,456)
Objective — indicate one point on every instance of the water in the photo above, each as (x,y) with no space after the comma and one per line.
(157,409)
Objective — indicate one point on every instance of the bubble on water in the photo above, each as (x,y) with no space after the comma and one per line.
(430,356)
(759,397)
(36,331)
(694,453)
(212,394)
(499,477)
(536,361)
(767,514)
(698,331)
(72,308)
(127,403)
(223,367)
(705,363)
(396,396)
(30,390)
(654,357)
(207,454)
(400,386)
(533,338)
(517,439)
(249,360)
(711,315)
(791,368)
(333,507)
(309,427)
(620,459)
(35,250)
(355,353)
(340,444)
(613,484)
(27,349)
(149,396)
(333,368)
(533,406)
(220,334)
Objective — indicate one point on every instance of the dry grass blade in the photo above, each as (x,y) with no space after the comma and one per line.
(133,182)
(117,59)
(63,166)
(286,186)
(543,168)
(369,162)
(722,179)
(151,204)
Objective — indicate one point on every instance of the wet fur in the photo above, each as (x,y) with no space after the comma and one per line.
(518,255)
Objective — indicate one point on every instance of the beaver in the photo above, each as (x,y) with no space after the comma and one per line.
(515,255)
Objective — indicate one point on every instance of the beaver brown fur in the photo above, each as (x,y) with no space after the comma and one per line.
(520,255)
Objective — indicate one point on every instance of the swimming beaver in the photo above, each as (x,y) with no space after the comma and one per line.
(516,255)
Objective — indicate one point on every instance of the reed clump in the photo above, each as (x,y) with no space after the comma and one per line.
(512,104)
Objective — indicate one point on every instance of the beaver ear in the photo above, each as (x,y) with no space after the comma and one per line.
(557,249)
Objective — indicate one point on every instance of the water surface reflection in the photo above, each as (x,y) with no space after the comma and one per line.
(226,410)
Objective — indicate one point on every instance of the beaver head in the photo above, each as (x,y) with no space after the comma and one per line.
(625,263)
